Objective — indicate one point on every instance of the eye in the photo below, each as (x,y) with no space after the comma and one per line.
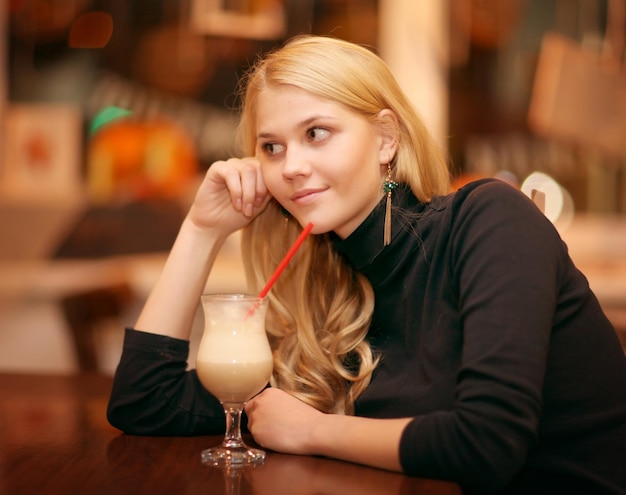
(316,134)
(272,148)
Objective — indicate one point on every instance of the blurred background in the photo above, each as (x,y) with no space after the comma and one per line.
(111,111)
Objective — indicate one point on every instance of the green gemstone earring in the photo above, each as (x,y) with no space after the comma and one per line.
(388,188)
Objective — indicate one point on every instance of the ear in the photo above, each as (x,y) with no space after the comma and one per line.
(389,131)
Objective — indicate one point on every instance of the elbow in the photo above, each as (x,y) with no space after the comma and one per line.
(126,420)
(139,415)
(152,413)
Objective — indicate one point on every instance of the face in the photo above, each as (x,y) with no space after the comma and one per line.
(320,160)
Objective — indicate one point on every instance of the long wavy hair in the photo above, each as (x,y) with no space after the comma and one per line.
(320,308)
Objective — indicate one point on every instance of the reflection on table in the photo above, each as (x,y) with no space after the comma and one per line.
(54,438)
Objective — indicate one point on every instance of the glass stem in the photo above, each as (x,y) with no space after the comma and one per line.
(232,479)
(232,438)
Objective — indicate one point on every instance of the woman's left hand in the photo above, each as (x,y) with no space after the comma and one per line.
(280,422)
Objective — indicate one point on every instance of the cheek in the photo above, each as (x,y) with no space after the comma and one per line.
(272,179)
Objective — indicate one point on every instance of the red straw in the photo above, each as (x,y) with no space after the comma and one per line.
(286,259)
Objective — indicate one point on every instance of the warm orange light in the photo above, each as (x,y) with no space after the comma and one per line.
(464,179)
(91,30)
(139,159)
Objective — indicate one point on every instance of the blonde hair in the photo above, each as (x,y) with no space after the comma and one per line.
(320,309)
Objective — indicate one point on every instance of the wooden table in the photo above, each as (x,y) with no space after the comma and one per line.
(54,438)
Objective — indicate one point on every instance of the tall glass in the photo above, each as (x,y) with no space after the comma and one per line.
(234,363)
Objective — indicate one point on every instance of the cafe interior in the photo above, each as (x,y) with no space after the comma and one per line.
(112,110)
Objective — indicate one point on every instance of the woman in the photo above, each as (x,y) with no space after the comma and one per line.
(444,335)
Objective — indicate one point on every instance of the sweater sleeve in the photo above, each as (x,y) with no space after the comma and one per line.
(154,393)
(505,257)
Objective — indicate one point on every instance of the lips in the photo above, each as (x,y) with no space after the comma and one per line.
(306,196)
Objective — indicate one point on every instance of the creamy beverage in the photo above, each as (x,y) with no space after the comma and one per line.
(234,363)
(234,359)
(234,382)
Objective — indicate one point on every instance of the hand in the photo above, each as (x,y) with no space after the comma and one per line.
(230,196)
(280,422)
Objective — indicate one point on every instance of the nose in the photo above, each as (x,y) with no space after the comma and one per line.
(296,163)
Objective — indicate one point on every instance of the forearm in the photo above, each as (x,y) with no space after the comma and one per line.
(154,394)
(283,423)
(373,442)
(172,304)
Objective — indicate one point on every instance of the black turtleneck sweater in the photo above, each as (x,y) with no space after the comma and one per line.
(488,335)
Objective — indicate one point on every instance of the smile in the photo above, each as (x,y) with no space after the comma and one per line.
(306,196)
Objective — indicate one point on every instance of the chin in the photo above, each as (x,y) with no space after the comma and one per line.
(319,227)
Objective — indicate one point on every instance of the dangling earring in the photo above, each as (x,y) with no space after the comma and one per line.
(388,187)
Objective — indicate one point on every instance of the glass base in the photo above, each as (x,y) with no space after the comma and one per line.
(232,456)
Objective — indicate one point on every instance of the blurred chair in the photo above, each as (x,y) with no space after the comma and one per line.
(84,312)
(137,228)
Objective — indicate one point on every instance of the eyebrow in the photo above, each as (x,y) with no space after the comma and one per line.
(300,125)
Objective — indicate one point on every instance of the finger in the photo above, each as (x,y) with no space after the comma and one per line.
(244,183)
(255,195)
(249,405)
(231,174)
(223,175)
(250,189)
(262,194)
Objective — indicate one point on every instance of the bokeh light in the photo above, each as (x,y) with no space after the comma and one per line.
(91,30)
(556,202)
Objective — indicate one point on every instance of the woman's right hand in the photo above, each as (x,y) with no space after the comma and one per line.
(230,196)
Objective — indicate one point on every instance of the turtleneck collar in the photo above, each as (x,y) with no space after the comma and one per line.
(366,242)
